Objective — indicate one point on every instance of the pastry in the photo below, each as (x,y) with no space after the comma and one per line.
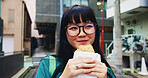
(86,48)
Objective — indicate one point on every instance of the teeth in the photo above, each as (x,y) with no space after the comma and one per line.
(86,48)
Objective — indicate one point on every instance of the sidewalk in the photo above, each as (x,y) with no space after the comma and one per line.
(23,71)
(31,63)
(123,76)
(41,52)
(34,61)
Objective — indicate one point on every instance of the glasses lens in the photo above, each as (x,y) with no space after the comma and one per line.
(89,28)
(73,30)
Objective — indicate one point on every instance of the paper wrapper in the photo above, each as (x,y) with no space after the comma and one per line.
(95,56)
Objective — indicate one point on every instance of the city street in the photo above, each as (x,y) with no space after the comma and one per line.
(32,29)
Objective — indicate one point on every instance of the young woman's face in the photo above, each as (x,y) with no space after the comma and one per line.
(82,38)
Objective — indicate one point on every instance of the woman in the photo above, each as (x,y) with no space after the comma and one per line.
(78,27)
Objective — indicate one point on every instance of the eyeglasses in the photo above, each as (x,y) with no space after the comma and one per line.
(74,30)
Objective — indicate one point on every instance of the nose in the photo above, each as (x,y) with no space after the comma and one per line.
(82,33)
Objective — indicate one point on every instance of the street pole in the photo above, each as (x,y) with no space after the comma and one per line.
(102,46)
(1,36)
(117,37)
(58,27)
(1,32)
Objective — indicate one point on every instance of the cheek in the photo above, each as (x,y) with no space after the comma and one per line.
(92,38)
(71,40)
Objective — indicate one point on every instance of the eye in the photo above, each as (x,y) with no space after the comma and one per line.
(88,26)
(73,28)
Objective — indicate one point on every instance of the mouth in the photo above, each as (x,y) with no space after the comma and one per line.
(82,42)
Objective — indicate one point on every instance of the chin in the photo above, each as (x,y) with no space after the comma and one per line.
(80,44)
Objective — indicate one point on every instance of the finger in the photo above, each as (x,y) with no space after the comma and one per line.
(84,66)
(73,64)
(99,75)
(82,71)
(99,70)
(100,64)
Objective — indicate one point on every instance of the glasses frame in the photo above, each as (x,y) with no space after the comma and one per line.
(94,24)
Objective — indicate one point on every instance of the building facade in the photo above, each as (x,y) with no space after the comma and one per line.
(12,31)
(133,15)
(134,25)
(16,25)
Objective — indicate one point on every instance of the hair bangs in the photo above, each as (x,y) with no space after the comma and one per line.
(84,17)
(79,15)
(74,16)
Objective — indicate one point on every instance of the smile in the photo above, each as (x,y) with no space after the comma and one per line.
(82,42)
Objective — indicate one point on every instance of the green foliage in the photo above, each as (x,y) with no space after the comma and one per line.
(135,71)
(127,72)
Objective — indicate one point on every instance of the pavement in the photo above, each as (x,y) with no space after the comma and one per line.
(31,63)
(41,52)
(21,72)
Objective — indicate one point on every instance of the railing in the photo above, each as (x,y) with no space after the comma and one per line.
(107,49)
(130,42)
(10,53)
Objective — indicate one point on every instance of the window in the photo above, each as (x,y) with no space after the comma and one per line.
(68,3)
(11,15)
(130,31)
(75,2)
(100,4)
(85,2)
(100,7)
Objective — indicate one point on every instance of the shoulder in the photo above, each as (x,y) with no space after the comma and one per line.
(44,62)
(47,59)
(43,69)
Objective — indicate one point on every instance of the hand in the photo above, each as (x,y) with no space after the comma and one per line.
(85,65)
(100,70)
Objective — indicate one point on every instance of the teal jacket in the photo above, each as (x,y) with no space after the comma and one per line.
(43,69)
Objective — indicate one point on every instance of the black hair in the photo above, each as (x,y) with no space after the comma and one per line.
(65,51)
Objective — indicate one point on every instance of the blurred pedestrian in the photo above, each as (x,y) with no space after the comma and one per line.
(34,45)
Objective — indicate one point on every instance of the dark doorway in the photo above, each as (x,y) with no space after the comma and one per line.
(126,61)
(48,32)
